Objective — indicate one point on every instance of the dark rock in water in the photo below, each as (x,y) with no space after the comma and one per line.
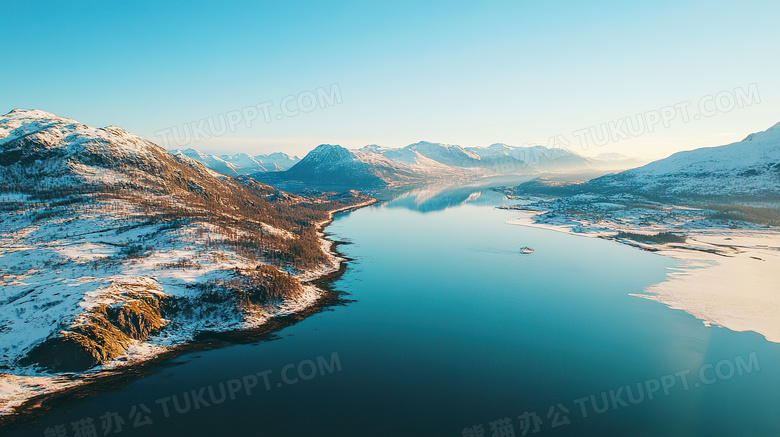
(526,250)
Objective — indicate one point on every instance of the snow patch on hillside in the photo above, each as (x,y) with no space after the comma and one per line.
(745,168)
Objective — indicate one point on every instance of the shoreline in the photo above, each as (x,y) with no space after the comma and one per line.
(728,278)
(326,244)
(32,408)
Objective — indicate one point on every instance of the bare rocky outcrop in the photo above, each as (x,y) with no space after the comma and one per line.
(101,334)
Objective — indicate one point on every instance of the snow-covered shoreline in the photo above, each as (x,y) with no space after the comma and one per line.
(15,389)
(334,261)
(739,291)
(729,278)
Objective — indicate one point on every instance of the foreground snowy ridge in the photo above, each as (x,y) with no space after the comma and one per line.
(112,250)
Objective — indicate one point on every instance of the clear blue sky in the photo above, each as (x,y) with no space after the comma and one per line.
(463,73)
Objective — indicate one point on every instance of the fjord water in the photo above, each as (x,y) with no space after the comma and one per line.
(452,327)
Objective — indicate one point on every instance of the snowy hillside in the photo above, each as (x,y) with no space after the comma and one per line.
(749,168)
(112,249)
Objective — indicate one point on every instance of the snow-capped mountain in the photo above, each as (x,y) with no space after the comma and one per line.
(241,163)
(447,154)
(494,159)
(215,163)
(533,157)
(748,168)
(112,247)
(374,166)
(332,166)
(277,161)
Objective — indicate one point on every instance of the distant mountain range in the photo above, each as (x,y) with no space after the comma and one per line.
(371,167)
(241,163)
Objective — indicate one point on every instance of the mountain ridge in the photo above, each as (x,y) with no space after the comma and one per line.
(376,167)
(743,171)
(111,246)
(241,163)
(747,168)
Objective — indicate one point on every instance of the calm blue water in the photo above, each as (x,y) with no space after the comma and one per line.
(451,329)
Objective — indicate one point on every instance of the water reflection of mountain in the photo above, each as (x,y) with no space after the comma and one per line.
(439,197)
